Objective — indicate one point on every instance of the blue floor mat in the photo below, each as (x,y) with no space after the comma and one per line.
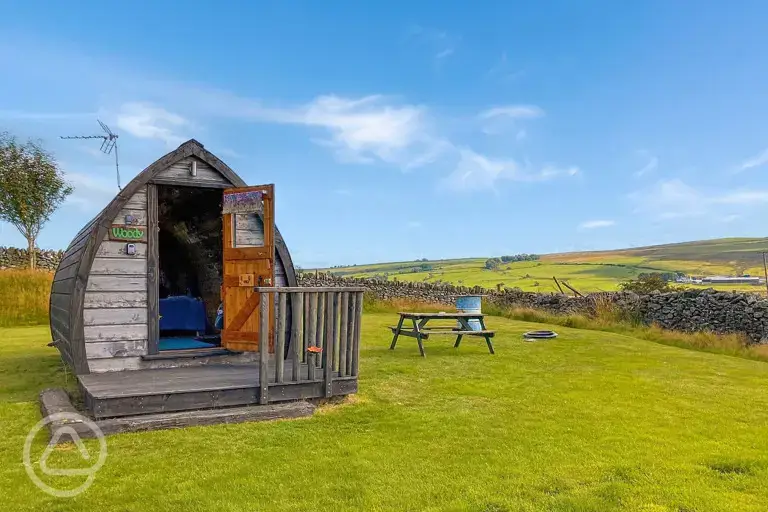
(182,344)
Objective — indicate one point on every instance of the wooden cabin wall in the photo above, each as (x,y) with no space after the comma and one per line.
(178,174)
(115,303)
(61,300)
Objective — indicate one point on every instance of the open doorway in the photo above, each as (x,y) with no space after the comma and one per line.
(190,266)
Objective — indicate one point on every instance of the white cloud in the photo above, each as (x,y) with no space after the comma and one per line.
(147,121)
(594,224)
(440,42)
(503,71)
(551,171)
(743,197)
(652,162)
(501,119)
(231,153)
(44,116)
(414,224)
(675,199)
(669,199)
(366,129)
(756,161)
(475,171)
(513,111)
(90,193)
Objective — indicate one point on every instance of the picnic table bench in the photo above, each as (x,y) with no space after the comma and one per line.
(420,331)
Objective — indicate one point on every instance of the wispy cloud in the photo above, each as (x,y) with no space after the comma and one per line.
(744,197)
(44,116)
(513,112)
(675,199)
(366,130)
(440,42)
(90,193)
(651,163)
(503,70)
(369,129)
(147,121)
(502,119)
(414,224)
(476,171)
(228,152)
(756,161)
(595,224)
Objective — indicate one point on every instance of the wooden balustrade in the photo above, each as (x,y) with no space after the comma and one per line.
(327,319)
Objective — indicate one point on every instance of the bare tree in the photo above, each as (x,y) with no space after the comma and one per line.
(31,187)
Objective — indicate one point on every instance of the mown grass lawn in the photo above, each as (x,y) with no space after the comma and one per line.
(590,421)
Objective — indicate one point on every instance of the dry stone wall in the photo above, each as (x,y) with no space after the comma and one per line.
(690,310)
(10,257)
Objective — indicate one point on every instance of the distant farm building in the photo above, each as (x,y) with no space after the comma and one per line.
(731,280)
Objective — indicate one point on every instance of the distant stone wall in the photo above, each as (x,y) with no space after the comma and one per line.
(10,257)
(689,310)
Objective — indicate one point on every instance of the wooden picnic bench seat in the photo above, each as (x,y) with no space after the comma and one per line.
(426,331)
(421,332)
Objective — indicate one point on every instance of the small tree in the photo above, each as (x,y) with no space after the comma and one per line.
(646,283)
(31,188)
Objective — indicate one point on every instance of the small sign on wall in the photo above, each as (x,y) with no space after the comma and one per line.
(128,233)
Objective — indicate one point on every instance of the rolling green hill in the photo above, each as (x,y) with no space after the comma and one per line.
(586,271)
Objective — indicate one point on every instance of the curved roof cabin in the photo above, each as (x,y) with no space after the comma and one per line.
(160,238)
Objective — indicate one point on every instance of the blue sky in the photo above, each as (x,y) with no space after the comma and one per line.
(396,131)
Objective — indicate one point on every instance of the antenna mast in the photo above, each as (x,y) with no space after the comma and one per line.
(107,146)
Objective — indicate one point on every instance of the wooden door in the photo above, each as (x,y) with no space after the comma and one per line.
(249,261)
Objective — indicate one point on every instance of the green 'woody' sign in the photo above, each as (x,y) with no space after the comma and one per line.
(128,233)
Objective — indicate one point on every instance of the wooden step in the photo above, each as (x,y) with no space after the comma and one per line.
(57,400)
(128,393)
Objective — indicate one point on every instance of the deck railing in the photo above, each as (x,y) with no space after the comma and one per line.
(324,342)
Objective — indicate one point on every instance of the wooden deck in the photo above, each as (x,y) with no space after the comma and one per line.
(321,361)
(127,393)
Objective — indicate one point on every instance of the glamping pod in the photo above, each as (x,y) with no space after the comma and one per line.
(144,277)
(181,295)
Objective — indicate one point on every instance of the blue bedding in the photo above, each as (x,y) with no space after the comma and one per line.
(181,313)
(182,344)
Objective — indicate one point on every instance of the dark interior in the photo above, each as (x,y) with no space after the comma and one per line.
(190,250)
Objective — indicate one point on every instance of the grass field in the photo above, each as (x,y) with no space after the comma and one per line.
(24,297)
(589,421)
(587,271)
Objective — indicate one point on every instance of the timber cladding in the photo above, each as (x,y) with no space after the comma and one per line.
(103,298)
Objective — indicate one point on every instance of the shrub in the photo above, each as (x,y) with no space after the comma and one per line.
(520,257)
(492,263)
(646,283)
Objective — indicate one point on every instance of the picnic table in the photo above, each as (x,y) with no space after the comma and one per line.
(420,331)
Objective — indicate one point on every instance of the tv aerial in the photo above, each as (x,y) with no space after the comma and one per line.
(109,144)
